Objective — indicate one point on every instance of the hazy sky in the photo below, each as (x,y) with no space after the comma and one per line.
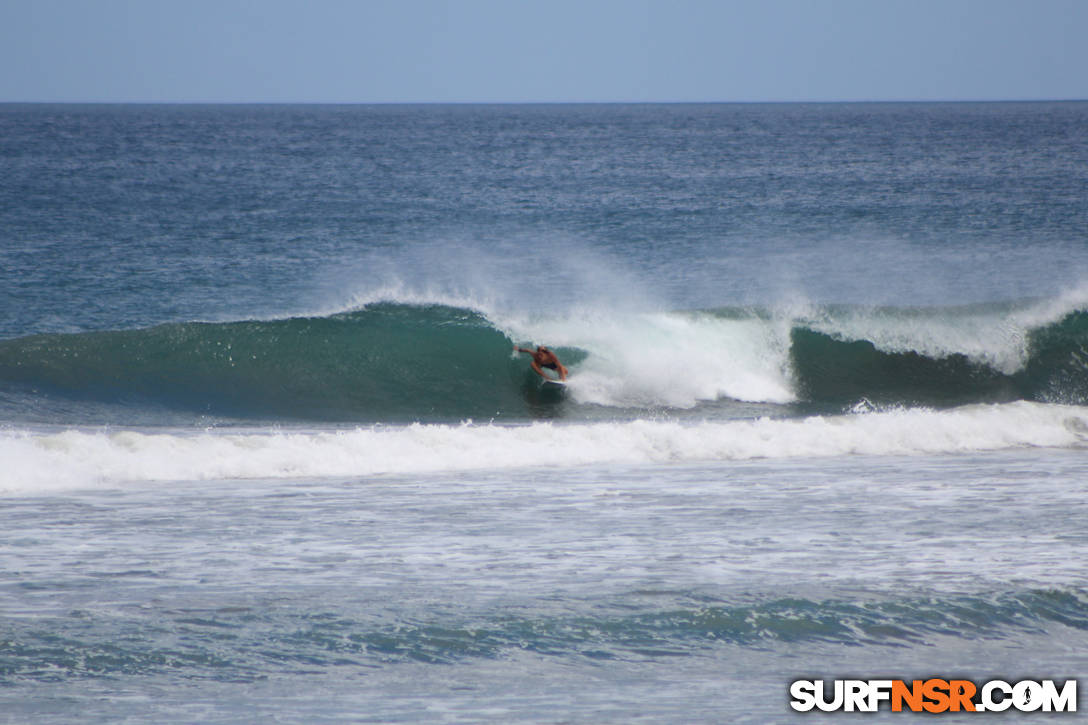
(543,50)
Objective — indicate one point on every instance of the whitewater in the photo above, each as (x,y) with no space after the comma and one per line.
(43,461)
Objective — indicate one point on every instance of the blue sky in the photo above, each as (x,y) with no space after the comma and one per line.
(546,51)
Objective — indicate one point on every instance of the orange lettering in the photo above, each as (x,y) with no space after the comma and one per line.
(935,690)
(961,693)
(912,695)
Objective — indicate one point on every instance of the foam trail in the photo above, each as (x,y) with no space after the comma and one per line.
(38,462)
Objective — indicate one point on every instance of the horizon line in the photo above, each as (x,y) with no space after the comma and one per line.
(529,103)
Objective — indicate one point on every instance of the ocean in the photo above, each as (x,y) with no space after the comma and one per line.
(267,452)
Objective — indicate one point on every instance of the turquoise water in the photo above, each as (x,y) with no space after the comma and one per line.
(268,452)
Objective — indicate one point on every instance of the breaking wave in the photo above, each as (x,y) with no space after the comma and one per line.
(402,362)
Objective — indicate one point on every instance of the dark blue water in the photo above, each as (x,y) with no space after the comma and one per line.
(267,451)
(129,216)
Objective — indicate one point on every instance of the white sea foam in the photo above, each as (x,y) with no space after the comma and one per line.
(668,359)
(37,462)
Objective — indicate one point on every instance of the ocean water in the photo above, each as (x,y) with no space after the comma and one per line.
(268,454)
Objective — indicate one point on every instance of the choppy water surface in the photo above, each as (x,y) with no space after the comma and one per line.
(487,596)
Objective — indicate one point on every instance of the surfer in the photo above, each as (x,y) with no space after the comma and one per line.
(544,358)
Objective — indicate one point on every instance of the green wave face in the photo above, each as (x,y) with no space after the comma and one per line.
(1057,371)
(831,370)
(827,370)
(388,362)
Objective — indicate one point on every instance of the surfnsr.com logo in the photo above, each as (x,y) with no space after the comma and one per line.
(933,695)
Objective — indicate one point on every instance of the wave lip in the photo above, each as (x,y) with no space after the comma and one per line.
(74,459)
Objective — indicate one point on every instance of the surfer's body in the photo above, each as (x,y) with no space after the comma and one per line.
(544,358)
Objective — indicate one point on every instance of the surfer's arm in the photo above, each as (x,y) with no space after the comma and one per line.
(536,366)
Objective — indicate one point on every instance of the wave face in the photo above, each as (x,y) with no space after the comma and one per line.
(396,362)
(967,357)
(386,362)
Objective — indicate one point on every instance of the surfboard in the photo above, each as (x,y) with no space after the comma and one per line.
(556,383)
